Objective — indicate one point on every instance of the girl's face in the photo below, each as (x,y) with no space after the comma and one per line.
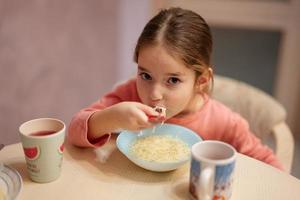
(162,80)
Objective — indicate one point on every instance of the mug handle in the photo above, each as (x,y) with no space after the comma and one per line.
(205,183)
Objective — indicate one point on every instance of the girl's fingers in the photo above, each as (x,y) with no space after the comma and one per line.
(149,116)
(142,119)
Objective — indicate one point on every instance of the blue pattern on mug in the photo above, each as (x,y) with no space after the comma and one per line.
(194,177)
(222,181)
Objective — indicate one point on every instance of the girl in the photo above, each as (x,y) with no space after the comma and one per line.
(174,71)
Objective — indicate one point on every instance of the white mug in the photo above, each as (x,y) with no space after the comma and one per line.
(211,171)
(43,145)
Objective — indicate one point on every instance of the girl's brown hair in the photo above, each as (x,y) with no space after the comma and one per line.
(184,34)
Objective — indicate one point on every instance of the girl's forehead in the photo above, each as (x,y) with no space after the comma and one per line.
(157,57)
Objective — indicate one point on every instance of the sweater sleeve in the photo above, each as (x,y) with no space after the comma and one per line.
(78,127)
(239,135)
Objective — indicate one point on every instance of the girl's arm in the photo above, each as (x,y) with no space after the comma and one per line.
(91,126)
(124,115)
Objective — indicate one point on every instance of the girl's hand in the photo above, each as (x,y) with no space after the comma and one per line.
(161,117)
(133,116)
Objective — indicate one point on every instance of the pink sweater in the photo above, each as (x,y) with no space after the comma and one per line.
(213,121)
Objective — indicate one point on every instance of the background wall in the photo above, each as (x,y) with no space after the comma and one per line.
(247,54)
(56,57)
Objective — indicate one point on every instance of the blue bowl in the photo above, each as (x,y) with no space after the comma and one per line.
(126,138)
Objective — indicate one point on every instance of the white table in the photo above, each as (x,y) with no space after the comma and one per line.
(83,177)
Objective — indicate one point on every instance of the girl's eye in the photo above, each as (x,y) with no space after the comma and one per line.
(173,81)
(145,76)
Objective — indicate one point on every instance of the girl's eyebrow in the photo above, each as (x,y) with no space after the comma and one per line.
(142,69)
(168,74)
(175,74)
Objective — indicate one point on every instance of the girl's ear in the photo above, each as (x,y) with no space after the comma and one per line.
(202,82)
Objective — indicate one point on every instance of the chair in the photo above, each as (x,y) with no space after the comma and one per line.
(265,115)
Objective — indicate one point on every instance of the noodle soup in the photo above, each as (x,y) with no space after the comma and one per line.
(160,148)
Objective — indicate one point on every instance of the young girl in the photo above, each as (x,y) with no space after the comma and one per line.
(174,71)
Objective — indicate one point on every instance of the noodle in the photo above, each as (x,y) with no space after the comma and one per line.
(160,148)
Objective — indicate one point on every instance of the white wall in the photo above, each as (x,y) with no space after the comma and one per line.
(133,16)
(56,57)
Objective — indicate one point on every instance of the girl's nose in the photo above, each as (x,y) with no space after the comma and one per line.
(156,93)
